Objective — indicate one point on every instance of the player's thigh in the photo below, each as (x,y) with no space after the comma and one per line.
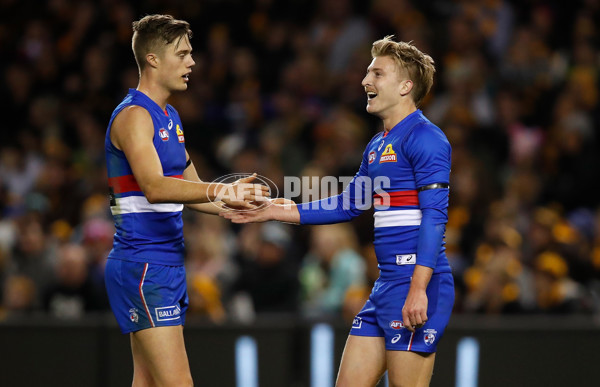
(363,361)
(409,369)
(141,373)
(161,352)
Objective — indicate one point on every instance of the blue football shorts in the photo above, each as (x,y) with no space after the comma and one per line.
(146,295)
(382,314)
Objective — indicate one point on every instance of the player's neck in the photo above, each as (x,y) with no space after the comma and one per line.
(154,91)
(397,115)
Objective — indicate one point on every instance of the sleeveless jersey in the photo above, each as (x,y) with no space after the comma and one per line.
(146,232)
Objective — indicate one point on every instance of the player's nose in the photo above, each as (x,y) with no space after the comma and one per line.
(365,81)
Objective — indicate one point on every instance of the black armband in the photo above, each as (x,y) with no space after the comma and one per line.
(188,163)
(433,186)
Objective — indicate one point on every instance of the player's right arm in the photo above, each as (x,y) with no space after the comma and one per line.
(283,210)
(132,132)
(322,211)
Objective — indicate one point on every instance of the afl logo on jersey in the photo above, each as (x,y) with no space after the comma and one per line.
(371,157)
(164,135)
(388,155)
(396,324)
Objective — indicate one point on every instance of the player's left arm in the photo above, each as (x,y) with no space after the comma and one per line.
(429,153)
(190,174)
(212,208)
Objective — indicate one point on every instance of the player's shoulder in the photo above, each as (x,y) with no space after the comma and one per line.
(133,113)
(426,131)
(132,119)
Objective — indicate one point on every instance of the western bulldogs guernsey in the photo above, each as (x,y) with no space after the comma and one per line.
(147,232)
(396,171)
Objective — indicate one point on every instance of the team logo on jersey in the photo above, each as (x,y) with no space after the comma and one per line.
(170,126)
(167,313)
(396,338)
(357,323)
(396,324)
(180,134)
(164,135)
(371,157)
(429,337)
(133,316)
(388,155)
(381,145)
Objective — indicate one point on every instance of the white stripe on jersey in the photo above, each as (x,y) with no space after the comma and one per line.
(131,204)
(397,218)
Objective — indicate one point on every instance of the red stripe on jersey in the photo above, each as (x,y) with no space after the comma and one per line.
(122,184)
(127,183)
(397,199)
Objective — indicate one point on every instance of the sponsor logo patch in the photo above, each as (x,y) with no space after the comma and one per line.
(357,323)
(180,134)
(133,316)
(164,135)
(406,259)
(380,145)
(396,324)
(167,313)
(371,157)
(396,338)
(388,155)
(429,336)
(170,126)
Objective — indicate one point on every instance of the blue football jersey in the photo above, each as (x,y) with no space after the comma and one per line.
(147,232)
(395,165)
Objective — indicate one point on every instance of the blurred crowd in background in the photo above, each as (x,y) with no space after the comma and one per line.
(276,90)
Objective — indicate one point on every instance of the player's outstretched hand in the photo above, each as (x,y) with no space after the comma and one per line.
(266,211)
(244,195)
(246,216)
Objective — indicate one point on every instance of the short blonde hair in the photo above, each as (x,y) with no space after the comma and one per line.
(419,66)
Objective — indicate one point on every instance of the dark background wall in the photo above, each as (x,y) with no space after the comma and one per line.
(517,352)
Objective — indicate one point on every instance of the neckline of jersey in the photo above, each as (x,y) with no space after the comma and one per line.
(136,91)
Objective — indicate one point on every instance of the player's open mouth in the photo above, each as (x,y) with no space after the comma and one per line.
(186,77)
(371,95)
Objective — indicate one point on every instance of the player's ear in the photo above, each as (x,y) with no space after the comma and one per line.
(406,87)
(152,60)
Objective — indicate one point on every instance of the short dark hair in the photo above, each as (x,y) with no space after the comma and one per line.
(152,32)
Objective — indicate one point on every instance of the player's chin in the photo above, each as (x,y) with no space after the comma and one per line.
(371,109)
(182,86)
